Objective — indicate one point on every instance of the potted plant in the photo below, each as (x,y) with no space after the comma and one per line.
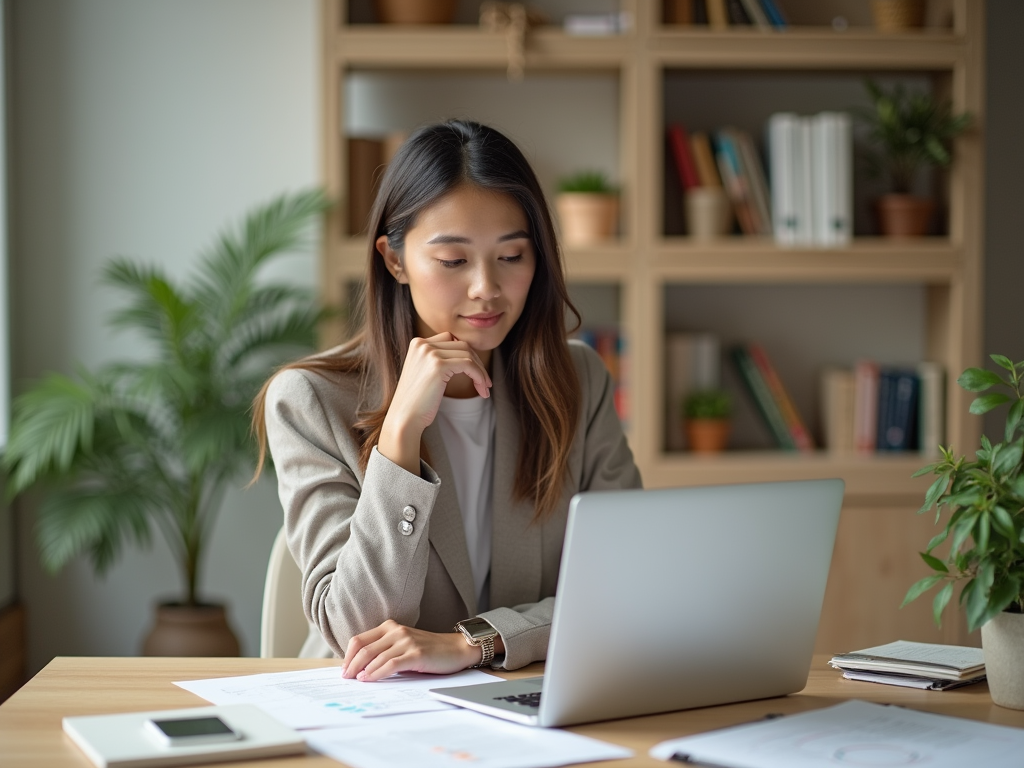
(415,11)
(897,15)
(156,440)
(588,208)
(707,419)
(912,131)
(984,499)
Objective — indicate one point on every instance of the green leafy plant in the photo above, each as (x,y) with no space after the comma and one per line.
(707,404)
(985,502)
(912,130)
(158,440)
(592,182)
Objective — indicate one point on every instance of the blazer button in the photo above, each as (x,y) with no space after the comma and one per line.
(405,527)
(409,513)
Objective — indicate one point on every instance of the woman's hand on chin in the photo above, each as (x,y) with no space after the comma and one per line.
(392,647)
(429,365)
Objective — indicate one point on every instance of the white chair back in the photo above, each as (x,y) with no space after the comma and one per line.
(283,628)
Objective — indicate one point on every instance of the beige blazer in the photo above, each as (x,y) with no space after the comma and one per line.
(344,525)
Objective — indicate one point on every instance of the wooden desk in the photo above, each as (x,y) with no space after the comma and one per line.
(31,735)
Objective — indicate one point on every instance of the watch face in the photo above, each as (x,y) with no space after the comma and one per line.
(476,630)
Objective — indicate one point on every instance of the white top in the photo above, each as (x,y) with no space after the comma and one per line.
(467,428)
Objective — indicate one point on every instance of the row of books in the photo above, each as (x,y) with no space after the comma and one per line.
(811,170)
(773,401)
(884,408)
(727,158)
(610,347)
(765,14)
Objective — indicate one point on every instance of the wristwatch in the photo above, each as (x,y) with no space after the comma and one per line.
(479,633)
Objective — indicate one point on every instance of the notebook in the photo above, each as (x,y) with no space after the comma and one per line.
(678,598)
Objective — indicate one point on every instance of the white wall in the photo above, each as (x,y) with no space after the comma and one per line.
(141,129)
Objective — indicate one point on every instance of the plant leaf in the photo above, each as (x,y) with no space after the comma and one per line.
(978,379)
(986,403)
(934,492)
(1003,362)
(920,587)
(941,601)
(1013,419)
(934,563)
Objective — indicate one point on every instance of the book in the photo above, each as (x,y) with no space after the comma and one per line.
(865,406)
(750,161)
(782,150)
(679,11)
(737,13)
(931,660)
(684,162)
(774,14)
(692,363)
(797,429)
(803,182)
(931,418)
(122,740)
(718,17)
(735,182)
(832,178)
(700,12)
(897,410)
(756,14)
(762,396)
(837,404)
(704,159)
(610,347)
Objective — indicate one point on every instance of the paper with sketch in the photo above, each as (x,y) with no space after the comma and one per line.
(317,698)
(457,738)
(854,733)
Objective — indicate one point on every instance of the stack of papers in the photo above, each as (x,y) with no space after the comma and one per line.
(914,665)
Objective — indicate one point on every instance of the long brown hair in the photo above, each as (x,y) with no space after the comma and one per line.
(540,374)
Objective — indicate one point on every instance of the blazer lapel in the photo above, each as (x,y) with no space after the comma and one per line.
(447,534)
(515,542)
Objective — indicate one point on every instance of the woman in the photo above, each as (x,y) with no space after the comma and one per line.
(425,467)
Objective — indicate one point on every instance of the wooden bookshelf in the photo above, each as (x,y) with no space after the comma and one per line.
(644,261)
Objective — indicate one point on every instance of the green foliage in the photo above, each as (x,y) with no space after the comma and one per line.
(593,182)
(912,130)
(157,440)
(707,404)
(985,502)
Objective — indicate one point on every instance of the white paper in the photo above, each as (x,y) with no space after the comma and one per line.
(854,733)
(457,738)
(318,698)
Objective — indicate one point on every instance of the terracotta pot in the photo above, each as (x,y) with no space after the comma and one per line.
(707,435)
(415,11)
(1002,640)
(190,630)
(904,215)
(587,218)
(897,15)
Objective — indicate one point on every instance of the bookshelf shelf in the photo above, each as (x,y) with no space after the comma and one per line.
(918,299)
(868,476)
(746,259)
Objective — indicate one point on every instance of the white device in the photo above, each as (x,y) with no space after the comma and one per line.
(678,598)
(181,732)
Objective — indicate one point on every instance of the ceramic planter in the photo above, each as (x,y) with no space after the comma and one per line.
(415,11)
(897,15)
(587,218)
(190,630)
(1002,639)
(904,215)
(707,435)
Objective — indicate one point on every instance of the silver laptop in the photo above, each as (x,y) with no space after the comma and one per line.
(678,598)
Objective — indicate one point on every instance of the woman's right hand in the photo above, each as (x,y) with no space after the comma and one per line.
(430,365)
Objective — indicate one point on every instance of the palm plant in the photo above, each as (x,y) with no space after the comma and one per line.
(158,440)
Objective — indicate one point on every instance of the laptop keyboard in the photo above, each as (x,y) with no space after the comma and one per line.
(523,699)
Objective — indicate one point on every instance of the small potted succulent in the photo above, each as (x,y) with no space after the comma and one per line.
(984,532)
(912,130)
(707,417)
(588,208)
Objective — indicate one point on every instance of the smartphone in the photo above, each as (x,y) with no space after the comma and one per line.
(192,730)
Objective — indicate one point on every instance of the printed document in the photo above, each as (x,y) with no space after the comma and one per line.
(457,738)
(318,698)
(854,733)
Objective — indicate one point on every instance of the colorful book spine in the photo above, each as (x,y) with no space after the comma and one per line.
(897,410)
(734,182)
(865,408)
(775,14)
(762,397)
(685,166)
(704,159)
(610,347)
(797,429)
